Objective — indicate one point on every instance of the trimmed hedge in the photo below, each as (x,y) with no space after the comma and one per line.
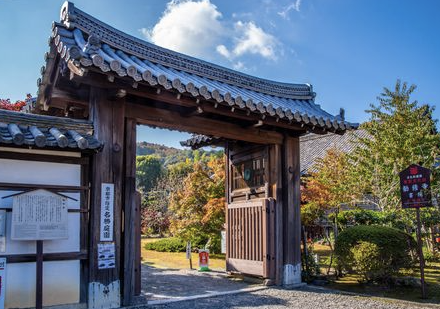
(172,244)
(374,252)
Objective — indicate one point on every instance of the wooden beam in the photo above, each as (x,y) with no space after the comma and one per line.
(276,192)
(107,167)
(30,257)
(130,201)
(291,211)
(173,120)
(169,97)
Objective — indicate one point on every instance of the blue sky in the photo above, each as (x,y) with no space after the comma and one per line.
(348,50)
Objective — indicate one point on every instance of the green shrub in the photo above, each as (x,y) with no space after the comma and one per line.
(431,257)
(311,267)
(367,260)
(172,244)
(374,252)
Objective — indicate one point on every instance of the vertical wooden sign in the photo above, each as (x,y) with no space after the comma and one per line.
(107,211)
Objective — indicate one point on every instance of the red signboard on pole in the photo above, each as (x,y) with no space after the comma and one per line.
(415,187)
(415,190)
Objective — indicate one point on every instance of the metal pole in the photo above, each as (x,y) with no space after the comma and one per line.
(421,258)
(39,276)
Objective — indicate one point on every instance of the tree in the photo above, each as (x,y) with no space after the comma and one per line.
(327,186)
(197,211)
(148,171)
(401,132)
(16,106)
(155,215)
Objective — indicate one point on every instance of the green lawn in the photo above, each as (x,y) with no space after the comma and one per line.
(350,283)
(177,260)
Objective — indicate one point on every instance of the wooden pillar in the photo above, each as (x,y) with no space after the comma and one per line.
(291,212)
(276,192)
(130,197)
(107,167)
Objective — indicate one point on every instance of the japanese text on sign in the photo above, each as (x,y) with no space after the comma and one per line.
(107,211)
(415,187)
(39,215)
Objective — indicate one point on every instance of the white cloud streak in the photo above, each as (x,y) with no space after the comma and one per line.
(293,6)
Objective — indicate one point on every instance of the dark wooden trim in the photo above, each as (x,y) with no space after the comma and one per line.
(84,230)
(47,257)
(173,120)
(107,167)
(246,266)
(95,78)
(276,192)
(291,208)
(130,205)
(42,157)
(24,186)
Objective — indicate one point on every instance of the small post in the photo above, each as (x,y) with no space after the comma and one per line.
(39,276)
(421,258)
(188,254)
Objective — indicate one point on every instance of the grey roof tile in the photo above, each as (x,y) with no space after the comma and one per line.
(30,130)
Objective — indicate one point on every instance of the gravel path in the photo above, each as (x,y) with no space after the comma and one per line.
(305,298)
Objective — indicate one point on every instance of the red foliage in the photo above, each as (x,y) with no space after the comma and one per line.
(17,106)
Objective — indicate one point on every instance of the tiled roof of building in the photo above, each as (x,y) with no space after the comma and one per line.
(85,42)
(199,140)
(29,130)
(314,146)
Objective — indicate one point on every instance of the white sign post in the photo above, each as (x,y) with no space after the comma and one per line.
(2,282)
(107,211)
(188,254)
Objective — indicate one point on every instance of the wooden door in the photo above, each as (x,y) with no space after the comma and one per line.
(251,237)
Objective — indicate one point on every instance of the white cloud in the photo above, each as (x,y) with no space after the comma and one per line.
(293,6)
(196,28)
(239,66)
(253,40)
(222,50)
(191,27)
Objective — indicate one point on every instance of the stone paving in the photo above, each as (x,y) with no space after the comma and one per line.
(174,283)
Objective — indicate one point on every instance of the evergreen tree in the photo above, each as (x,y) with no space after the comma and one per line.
(401,132)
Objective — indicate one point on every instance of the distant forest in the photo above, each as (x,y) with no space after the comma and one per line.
(171,155)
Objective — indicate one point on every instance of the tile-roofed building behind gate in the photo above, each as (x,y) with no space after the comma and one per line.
(39,131)
(312,146)
(85,43)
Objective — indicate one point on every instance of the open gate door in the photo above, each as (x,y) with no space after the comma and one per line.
(251,237)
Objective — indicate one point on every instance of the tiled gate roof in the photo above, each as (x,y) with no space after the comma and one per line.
(85,42)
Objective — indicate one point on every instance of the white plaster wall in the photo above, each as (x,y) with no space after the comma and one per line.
(61,280)
(20,171)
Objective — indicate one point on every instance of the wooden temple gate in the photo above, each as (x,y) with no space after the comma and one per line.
(116,81)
